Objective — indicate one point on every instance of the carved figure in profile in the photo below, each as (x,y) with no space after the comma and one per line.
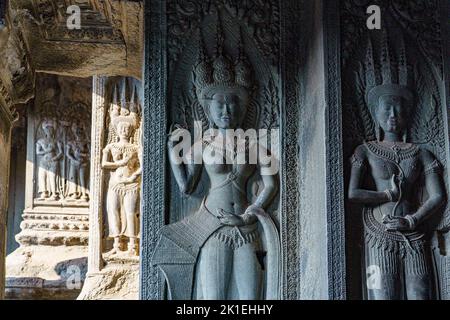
(50,152)
(397,254)
(123,159)
(78,154)
(217,252)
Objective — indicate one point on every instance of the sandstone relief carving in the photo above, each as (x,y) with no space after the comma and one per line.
(218,251)
(113,271)
(122,158)
(57,193)
(78,154)
(62,150)
(397,254)
(49,151)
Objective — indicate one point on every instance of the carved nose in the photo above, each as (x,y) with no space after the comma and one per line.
(393,113)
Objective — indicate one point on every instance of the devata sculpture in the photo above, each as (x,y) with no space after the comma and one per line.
(50,152)
(217,252)
(123,159)
(78,153)
(397,256)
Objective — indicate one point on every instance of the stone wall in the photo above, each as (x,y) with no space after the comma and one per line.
(51,261)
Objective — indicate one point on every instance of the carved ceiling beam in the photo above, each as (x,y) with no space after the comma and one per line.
(109,41)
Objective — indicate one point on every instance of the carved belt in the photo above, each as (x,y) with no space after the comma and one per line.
(377,229)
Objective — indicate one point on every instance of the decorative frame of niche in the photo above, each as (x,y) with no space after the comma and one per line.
(6,123)
(429,128)
(337,264)
(103,90)
(160,59)
(64,111)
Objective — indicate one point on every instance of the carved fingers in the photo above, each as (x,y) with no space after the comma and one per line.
(400,224)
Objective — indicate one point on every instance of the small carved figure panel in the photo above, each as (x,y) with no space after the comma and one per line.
(396,171)
(62,141)
(122,162)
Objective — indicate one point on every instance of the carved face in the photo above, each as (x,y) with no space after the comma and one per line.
(78,131)
(124,130)
(227,110)
(49,130)
(391,114)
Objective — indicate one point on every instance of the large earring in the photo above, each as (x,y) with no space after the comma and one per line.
(405,136)
(378,132)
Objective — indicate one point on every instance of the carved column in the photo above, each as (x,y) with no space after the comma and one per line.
(6,120)
(95,260)
(113,265)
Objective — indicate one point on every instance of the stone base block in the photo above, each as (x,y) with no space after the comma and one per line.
(46,272)
(116,281)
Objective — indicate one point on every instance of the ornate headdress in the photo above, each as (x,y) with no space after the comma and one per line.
(391,78)
(221,73)
(48,122)
(124,111)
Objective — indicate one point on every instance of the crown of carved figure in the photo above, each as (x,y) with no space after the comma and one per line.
(220,74)
(390,76)
(48,123)
(124,110)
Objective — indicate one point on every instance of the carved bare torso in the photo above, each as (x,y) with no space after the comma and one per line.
(405,162)
(228,182)
(49,151)
(120,152)
(79,151)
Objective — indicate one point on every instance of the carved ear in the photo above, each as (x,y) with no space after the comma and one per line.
(378,131)
(208,114)
(193,77)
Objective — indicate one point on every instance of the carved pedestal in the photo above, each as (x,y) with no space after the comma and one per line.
(52,258)
(113,264)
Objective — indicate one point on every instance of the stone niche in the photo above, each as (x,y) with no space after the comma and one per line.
(406,56)
(51,261)
(113,269)
(195,51)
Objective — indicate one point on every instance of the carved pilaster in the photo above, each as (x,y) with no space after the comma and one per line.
(5,144)
(115,188)
(95,260)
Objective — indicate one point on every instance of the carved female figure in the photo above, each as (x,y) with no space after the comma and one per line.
(123,159)
(78,153)
(50,152)
(222,237)
(396,253)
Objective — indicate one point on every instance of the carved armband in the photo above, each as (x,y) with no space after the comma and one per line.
(358,162)
(433,167)
(389,195)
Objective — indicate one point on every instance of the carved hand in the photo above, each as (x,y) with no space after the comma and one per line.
(228,219)
(133,178)
(400,224)
(176,132)
(232,221)
(124,161)
(251,214)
